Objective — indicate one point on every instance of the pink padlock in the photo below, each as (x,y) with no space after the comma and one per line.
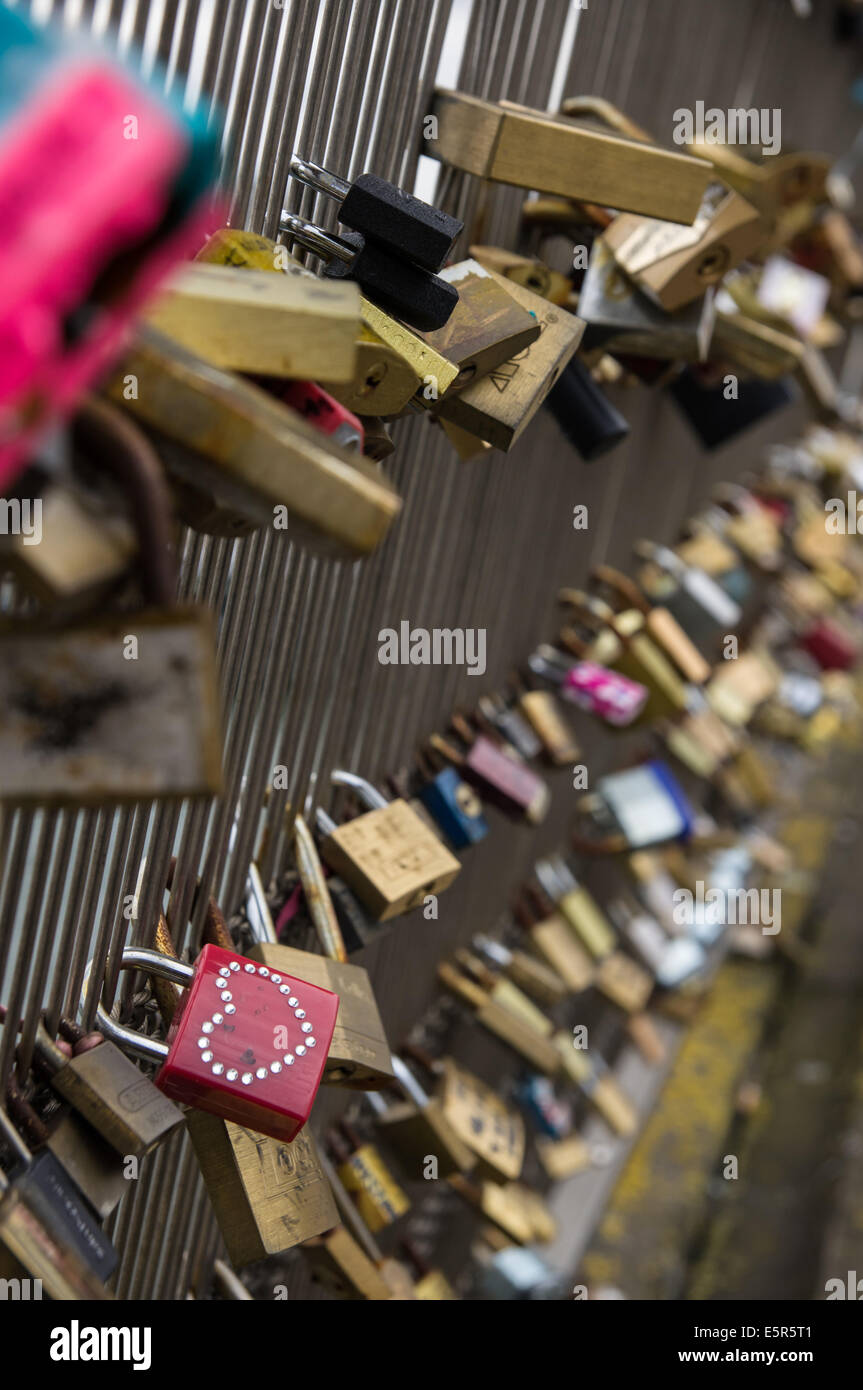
(615,698)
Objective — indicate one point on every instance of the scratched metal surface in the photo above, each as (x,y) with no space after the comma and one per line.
(346,82)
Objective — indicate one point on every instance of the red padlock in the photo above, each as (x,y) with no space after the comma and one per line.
(246,1043)
(830,645)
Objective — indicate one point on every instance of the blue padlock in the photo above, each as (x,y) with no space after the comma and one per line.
(455,807)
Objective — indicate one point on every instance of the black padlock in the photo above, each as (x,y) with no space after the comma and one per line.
(385,213)
(590,422)
(715,418)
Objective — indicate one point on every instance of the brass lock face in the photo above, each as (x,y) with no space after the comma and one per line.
(268,1196)
(390,859)
(541,710)
(378,1198)
(489,1127)
(69,698)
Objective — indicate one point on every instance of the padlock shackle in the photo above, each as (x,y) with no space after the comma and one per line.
(152,963)
(408,1082)
(369,795)
(314,238)
(148,1049)
(319,178)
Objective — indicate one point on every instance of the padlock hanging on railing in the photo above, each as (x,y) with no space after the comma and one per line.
(387,855)
(247,1044)
(416,1127)
(452,802)
(613,697)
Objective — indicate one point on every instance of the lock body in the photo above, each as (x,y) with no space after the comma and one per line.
(456,808)
(510,785)
(648,805)
(117,1099)
(359,1054)
(268,1195)
(541,711)
(248,1044)
(378,1197)
(95,1167)
(69,699)
(76,1223)
(390,859)
(484,1123)
(415,1132)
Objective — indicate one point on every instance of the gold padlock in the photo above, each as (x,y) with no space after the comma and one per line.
(417,1128)
(501,1019)
(554,940)
(489,1127)
(387,855)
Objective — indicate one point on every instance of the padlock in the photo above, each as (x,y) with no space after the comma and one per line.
(417,1128)
(613,697)
(638,657)
(469,447)
(507,784)
(486,968)
(42,1229)
(594,1078)
(490,1128)
(386,214)
(500,1019)
(532,274)
(134,208)
(487,327)
(68,695)
(265,325)
(324,412)
(499,407)
(511,722)
(562,1158)
(541,709)
(364,1174)
(391,362)
(348,1261)
(533,149)
(224,436)
(717,418)
(704,547)
(739,687)
(832,646)
(266,1077)
(698,598)
(452,803)
(586,416)
(576,905)
(645,805)
(516,1274)
(359,1055)
(659,623)
(552,1117)
(751,527)
(554,941)
(621,318)
(503,1204)
(268,1196)
(752,348)
(387,855)
(110,1093)
(529,974)
(774,186)
(674,265)
(423,300)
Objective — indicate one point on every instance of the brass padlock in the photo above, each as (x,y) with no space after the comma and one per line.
(359,1055)
(659,623)
(578,907)
(533,149)
(269,325)
(592,1075)
(111,1093)
(94,1166)
(490,1128)
(775,186)
(348,1260)
(387,855)
(268,1196)
(500,1019)
(554,940)
(417,1128)
(364,1175)
(526,972)
(487,971)
(545,715)
(499,406)
(487,327)
(232,439)
(526,271)
(503,1204)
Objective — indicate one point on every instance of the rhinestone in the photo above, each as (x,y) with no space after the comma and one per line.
(230,1008)
(262,1073)
(301,1051)
(293,1001)
(217,1018)
(299,1013)
(223,970)
(306,1027)
(262,970)
(203,1042)
(206,1027)
(226,996)
(247,1078)
(235,965)
(275,1067)
(249,969)
(231,1074)
(218,1068)
(218,981)
(311,1042)
(288,1059)
(276,979)
(283,989)
(206,1056)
